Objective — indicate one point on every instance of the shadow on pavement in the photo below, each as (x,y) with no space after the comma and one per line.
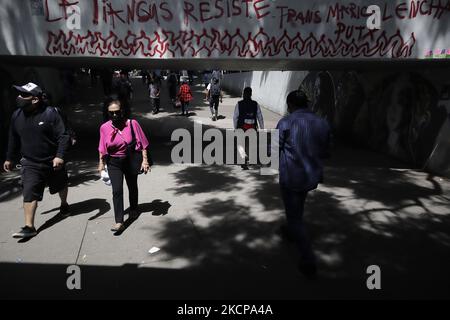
(369,211)
(76,209)
(157,207)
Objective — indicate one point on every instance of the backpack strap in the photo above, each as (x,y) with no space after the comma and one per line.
(19,111)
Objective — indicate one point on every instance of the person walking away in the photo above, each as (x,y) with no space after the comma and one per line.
(185,96)
(304,143)
(38,136)
(247,115)
(107,80)
(217,74)
(115,137)
(206,79)
(172,81)
(214,96)
(154,91)
(123,88)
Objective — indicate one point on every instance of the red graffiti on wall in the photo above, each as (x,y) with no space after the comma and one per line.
(212,42)
(129,12)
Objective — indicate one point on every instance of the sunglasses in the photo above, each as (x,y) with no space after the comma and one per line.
(113,113)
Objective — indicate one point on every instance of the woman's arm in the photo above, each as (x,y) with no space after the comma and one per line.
(102,150)
(145,167)
(101,162)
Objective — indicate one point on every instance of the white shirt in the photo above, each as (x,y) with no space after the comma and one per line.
(259,116)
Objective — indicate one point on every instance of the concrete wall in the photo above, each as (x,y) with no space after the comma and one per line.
(229,29)
(270,88)
(403,114)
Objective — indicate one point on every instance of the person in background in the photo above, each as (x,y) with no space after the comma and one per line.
(107,81)
(154,91)
(185,96)
(206,79)
(214,96)
(247,115)
(123,88)
(172,81)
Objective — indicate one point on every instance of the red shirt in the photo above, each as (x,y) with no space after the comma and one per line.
(185,93)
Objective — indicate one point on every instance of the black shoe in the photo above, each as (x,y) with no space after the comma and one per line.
(119,227)
(245,167)
(64,210)
(309,270)
(25,233)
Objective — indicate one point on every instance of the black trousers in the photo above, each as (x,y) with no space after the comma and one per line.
(156,102)
(294,203)
(214,104)
(117,169)
(185,107)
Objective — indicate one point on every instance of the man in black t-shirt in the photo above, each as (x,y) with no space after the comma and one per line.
(39,138)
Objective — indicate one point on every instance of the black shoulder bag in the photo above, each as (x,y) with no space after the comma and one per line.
(134,157)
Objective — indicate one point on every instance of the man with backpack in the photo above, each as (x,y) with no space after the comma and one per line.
(39,136)
(73,139)
(247,115)
(214,95)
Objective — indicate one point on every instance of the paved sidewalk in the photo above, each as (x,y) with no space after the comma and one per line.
(216,226)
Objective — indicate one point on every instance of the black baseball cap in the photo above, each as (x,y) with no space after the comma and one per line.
(30,89)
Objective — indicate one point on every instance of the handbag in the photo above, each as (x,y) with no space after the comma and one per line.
(134,157)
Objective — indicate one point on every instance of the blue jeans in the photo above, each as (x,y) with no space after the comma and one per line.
(294,202)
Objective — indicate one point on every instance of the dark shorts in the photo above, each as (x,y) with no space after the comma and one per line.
(36,176)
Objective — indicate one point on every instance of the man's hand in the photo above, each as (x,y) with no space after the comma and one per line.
(58,164)
(7,166)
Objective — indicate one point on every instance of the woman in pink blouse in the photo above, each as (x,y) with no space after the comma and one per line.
(115,135)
